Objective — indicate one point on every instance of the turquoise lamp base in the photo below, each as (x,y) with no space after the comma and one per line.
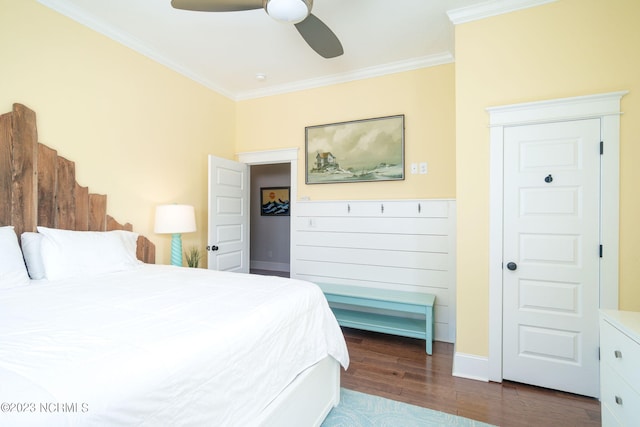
(176,249)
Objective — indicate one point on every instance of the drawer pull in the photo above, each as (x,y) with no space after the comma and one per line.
(618,354)
(618,400)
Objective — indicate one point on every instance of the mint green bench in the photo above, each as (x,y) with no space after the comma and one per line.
(386,299)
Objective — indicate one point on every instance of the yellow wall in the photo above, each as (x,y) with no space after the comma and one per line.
(562,49)
(138,132)
(425,97)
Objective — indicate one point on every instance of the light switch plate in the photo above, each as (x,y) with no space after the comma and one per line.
(414,168)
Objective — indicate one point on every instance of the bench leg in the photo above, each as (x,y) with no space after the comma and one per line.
(429,326)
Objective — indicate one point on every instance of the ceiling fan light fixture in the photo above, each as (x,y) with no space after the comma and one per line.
(289,11)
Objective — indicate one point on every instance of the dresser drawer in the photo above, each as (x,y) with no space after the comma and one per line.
(618,398)
(608,419)
(621,353)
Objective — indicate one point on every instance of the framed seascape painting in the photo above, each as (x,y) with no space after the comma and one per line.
(274,201)
(356,151)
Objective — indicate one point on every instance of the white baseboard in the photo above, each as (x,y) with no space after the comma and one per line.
(270,266)
(470,366)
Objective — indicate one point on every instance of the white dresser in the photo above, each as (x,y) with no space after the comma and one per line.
(620,367)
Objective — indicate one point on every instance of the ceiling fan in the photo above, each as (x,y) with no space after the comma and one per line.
(317,35)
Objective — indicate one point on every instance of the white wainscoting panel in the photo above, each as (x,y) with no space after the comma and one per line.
(391,244)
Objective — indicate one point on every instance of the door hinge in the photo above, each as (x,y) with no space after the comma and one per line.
(601,147)
(600,251)
(598,353)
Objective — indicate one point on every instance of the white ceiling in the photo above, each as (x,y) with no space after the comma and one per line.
(225,51)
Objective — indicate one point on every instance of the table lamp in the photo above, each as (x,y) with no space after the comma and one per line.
(175,219)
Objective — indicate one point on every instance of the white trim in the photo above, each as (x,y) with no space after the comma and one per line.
(363,73)
(491,8)
(286,155)
(557,110)
(606,107)
(470,366)
(128,40)
(453,249)
(265,157)
(496,162)
(610,211)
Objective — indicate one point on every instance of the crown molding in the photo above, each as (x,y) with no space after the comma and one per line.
(491,8)
(130,42)
(363,73)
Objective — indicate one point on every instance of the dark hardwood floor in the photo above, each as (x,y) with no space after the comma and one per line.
(398,368)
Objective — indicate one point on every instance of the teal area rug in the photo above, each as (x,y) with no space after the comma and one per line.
(364,410)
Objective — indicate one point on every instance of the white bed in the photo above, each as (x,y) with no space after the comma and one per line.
(161,345)
(105,340)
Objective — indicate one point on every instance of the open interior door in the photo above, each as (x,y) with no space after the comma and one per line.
(228,240)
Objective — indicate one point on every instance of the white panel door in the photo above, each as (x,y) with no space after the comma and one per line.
(228,244)
(552,257)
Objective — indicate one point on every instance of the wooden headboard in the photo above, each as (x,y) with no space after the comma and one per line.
(38,187)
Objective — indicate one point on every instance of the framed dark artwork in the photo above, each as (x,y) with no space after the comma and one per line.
(274,201)
(355,151)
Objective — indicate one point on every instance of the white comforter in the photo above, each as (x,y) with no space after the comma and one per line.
(158,345)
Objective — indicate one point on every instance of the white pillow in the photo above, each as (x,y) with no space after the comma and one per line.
(32,254)
(12,269)
(67,253)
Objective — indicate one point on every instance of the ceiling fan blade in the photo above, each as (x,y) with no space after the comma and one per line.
(217,5)
(320,37)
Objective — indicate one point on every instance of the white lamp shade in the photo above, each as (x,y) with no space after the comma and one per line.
(173,219)
(291,11)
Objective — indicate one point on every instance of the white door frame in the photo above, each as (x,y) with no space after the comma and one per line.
(606,107)
(286,155)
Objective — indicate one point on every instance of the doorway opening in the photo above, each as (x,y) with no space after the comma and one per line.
(281,156)
(270,235)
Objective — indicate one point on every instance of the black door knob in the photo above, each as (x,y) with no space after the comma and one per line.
(512,266)
(212,248)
